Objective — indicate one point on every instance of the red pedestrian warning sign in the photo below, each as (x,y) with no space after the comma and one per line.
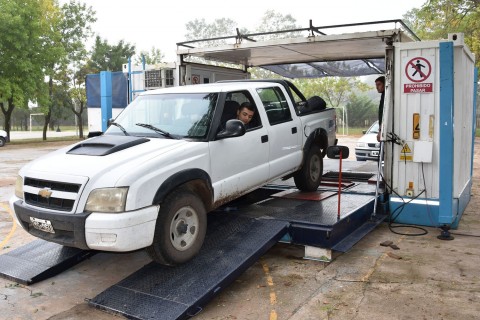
(418,70)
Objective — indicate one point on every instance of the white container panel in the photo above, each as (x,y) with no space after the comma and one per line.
(405,105)
(463,124)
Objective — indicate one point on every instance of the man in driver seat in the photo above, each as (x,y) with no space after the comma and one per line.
(245,113)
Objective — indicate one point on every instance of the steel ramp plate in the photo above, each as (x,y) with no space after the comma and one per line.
(39,260)
(233,243)
(296,194)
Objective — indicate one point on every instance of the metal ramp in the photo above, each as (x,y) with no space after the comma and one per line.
(233,243)
(39,260)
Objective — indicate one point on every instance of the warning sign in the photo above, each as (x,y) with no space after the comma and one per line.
(406,149)
(406,153)
(195,79)
(418,75)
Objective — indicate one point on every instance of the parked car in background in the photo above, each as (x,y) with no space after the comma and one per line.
(368,148)
(3,138)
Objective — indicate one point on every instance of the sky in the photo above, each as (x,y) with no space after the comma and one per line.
(161,24)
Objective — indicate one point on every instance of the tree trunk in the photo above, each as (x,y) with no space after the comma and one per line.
(8,115)
(45,125)
(49,113)
(78,114)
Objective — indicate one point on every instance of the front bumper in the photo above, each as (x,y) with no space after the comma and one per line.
(118,232)
(69,228)
(367,153)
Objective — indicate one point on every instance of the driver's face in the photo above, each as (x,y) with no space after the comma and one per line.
(245,115)
(380,86)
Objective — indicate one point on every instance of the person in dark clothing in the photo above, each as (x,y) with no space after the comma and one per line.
(380,84)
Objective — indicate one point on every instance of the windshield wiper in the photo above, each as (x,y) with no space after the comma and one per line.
(121,128)
(157,130)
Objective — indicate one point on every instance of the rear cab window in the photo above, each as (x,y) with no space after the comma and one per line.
(275,104)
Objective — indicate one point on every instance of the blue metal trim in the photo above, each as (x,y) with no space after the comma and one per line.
(106,97)
(416,213)
(446,214)
(129,80)
(474,118)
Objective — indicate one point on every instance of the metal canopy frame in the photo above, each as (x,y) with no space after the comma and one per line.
(313,56)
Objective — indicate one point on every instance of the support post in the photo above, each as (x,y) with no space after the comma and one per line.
(106,97)
(446,210)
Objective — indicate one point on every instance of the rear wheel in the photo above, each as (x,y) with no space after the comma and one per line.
(310,176)
(2,141)
(180,229)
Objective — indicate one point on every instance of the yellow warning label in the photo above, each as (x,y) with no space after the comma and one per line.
(406,153)
(406,149)
(416,126)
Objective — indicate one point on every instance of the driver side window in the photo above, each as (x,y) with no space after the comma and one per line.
(233,103)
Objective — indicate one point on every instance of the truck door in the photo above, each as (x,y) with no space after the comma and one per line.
(239,164)
(284,132)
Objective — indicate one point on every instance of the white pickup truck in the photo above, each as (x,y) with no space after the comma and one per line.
(169,158)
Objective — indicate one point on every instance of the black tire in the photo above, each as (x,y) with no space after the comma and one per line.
(180,229)
(308,178)
(2,141)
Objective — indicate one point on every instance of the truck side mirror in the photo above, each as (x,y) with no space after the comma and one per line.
(333,152)
(233,128)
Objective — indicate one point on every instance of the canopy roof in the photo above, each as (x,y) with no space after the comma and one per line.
(312,56)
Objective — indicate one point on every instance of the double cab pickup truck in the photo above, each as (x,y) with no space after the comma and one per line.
(168,159)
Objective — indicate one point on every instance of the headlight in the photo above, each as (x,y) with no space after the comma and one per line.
(107,200)
(361,144)
(19,187)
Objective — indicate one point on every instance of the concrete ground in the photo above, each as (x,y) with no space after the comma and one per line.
(425,279)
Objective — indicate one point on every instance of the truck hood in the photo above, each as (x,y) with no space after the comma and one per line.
(93,156)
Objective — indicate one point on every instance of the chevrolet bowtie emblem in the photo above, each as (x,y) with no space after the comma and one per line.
(45,193)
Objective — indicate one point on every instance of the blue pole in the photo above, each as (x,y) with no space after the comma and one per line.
(130,96)
(446,214)
(106,97)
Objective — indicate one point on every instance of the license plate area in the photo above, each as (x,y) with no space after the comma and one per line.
(42,225)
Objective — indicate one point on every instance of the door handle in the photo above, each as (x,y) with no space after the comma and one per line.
(264,138)
(294,130)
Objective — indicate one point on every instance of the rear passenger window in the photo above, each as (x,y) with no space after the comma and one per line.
(275,104)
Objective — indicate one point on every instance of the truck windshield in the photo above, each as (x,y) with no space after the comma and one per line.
(182,115)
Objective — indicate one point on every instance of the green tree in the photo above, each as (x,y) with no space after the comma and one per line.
(75,29)
(107,57)
(152,57)
(274,21)
(69,29)
(361,110)
(436,18)
(200,29)
(26,47)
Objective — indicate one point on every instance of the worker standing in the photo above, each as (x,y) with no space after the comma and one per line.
(380,84)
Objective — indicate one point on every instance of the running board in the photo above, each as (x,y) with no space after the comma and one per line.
(233,243)
(39,260)
(357,235)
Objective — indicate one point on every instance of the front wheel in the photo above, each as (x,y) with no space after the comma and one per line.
(308,178)
(2,141)
(180,229)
